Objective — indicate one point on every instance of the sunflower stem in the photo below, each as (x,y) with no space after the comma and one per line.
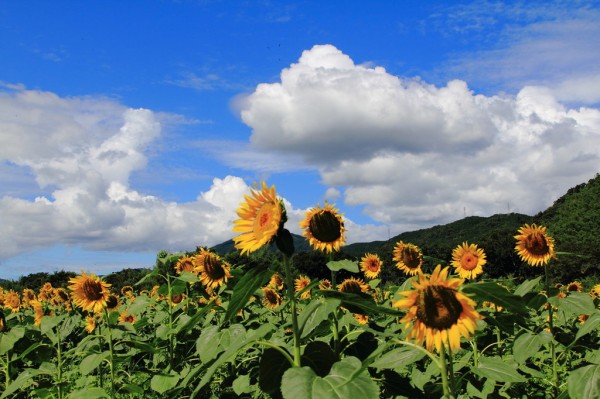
(111,362)
(444,372)
(290,291)
(59,364)
(451,370)
(475,352)
(335,326)
(555,382)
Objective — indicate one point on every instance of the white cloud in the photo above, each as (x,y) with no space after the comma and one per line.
(81,152)
(416,155)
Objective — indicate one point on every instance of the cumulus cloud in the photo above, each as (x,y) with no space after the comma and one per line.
(415,154)
(82,151)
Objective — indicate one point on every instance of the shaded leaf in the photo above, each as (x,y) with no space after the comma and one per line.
(584,382)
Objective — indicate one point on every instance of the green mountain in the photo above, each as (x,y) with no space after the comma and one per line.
(300,244)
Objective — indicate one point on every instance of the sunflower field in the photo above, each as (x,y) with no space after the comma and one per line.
(214,329)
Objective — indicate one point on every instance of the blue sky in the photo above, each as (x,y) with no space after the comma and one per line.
(131,127)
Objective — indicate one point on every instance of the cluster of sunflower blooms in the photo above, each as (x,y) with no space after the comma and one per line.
(437,313)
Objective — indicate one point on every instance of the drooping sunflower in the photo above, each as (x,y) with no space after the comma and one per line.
(324,228)
(38,312)
(408,258)
(574,286)
(468,260)
(325,284)
(90,324)
(260,218)
(436,312)
(89,292)
(45,292)
(12,301)
(353,285)
(370,264)
(276,282)
(271,299)
(127,290)
(212,271)
(301,283)
(27,297)
(185,264)
(60,298)
(534,246)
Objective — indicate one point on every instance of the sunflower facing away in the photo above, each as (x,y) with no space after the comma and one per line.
(468,260)
(301,283)
(353,285)
(212,271)
(276,282)
(408,258)
(436,312)
(260,219)
(324,228)
(89,292)
(271,299)
(184,264)
(90,324)
(370,264)
(534,246)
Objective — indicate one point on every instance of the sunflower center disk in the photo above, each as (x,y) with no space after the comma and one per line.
(373,266)
(92,290)
(351,287)
(262,220)
(469,262)
(438,307)
(410,258)
(213,268)
(537,244)
(325,227)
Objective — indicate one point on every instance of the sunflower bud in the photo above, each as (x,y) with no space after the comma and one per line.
(285,242)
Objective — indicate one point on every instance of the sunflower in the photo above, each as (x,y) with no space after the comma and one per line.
(324,228)
(325,285)
(271,299)
(212,271)
(89,292)
(27,297)
(370,264)
(60,298)
(90,324)
(361,318)
(38,312)
(112,303)
(177,299)
(408,258)
(492,305)
(353,285)
(276,282)
(125,317)
(127,290)
(583,318)
(468,260)
(12,301)
(436,312)
(595,292)
(3,325)
(45,292)
(534,246)
(301,283)
(260,218)
(574,286)
(185,264)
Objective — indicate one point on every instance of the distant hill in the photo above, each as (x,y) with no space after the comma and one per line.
(300,244)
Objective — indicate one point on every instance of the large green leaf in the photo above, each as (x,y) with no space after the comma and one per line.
(591,324)
(346,380)
(495,368)
(345,264)
(489,291)
(319,357)
(526,286)
(314,313)
(525,346)
(161,383)
(91,362)
(249,282)
(237,342)
(398,358)
(9,339)
(91,392)
(576,303)
(584,382)
(271,368)
(360,303)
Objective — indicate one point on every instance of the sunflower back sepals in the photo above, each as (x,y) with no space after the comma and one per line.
(285,242)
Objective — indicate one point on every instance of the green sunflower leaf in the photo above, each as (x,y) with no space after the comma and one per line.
(345,380)
(489,291)
(252,280)
(584,382)
(346,264)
